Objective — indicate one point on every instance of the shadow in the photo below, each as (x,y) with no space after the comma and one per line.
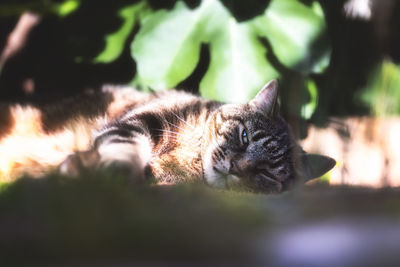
(292,91)
(192,83)
(58,56)
(169,4)
(245,10)
(355,53)
(394,42)
(6,121)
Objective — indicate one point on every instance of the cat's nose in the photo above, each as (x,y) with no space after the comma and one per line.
(234,168)
(240,166)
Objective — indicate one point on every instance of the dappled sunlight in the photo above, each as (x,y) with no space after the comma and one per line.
(68,68)
(366,150)
(29,149)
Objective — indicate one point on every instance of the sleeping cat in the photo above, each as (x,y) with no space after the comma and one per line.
(175,136)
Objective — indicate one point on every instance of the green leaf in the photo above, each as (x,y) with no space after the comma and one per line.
(67,7)
(62,9)
(292,27)
(115,42)
(382,92)
(238,67)
(167,47)
(308,109)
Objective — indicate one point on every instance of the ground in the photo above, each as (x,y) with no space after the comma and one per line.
(101,219)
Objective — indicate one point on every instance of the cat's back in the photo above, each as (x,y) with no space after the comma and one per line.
(35,138)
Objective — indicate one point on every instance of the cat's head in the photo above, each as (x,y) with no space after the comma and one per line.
(252,144)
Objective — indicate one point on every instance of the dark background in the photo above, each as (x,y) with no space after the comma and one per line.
(48,56)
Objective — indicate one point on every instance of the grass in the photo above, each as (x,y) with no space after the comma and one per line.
(104,218)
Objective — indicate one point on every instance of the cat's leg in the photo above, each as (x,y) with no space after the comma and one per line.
(124,147)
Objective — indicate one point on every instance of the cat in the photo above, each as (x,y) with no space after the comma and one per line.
(175,137)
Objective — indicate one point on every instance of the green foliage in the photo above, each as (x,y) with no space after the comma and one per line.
(224,49)
(167,47)
(67,7)
(166,54)
(382,93)
(45,7)
(247,45)
(291,27)
(115,42)
(309,107)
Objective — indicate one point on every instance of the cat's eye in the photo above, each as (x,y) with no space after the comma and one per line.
(245,138)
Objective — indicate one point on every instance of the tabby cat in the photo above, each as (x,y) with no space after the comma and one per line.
(175,136)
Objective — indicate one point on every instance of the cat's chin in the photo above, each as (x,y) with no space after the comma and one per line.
(233,181)
(263,183)
(259,183)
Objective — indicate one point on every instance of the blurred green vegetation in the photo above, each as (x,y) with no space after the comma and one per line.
(64,8)
(382,93)
(223,49)
(115,41)
(169,42)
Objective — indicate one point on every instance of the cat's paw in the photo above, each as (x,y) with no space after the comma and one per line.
(90,160)
(76,163)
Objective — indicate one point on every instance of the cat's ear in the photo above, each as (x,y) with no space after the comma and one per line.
(315,165)
(266,99)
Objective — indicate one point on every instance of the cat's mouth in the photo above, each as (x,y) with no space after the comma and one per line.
(260,181)
(265,182)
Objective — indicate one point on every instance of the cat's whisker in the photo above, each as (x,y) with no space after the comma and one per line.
(169,137)
(182,120)
(174,125)
(168,131)
(181,137)
(194,143)
(214,140)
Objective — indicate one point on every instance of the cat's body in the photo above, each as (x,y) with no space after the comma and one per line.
(175,136)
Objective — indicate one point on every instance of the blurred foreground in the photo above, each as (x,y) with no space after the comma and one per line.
(105,221)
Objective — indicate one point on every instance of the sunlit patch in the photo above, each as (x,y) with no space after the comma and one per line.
(366,150)
(358,9)
(28,149)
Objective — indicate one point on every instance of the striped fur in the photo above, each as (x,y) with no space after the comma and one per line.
(175,136)
(163,134)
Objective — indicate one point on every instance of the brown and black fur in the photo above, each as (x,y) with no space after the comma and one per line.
(174,136)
